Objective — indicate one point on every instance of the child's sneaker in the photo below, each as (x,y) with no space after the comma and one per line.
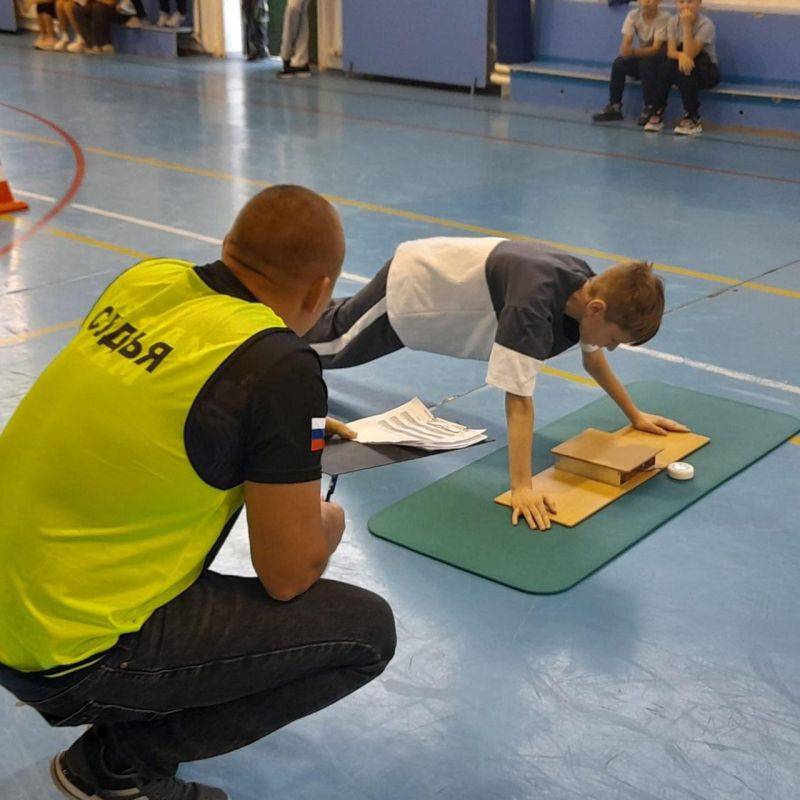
(133,22)
(689,126)
(644,117)
(78,46)
(126,7)
(611,113)
(655,123)
(177,20)
(62,43)
(80,773)
(163,19)
(107,49)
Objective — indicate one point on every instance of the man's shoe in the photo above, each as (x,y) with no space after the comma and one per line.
(655,123)
(611,113)
(689,126)
(302,72)
(644,117)
(80,774)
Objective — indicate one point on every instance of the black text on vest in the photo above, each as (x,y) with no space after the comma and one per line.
(126,339)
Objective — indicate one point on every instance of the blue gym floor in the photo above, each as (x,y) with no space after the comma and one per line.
(671,673)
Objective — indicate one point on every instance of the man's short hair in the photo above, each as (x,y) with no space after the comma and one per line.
(634,297)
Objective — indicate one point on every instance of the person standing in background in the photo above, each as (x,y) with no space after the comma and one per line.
(294,41)
(256,20)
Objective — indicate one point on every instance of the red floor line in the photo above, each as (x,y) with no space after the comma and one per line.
(434,129)
(77,180)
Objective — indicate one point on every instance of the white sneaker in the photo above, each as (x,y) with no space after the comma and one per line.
(78,46)
(126,7)
(107,49)
(163,19)
(61,44)
(46,44)
(133,22)
(176,20)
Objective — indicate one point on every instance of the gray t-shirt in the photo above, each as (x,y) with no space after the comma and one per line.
(645,30)
(703,29)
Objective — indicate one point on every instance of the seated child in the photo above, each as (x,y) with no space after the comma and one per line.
(647,25)
(513,304)
(691,65)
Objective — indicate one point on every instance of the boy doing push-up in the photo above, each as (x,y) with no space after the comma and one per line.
(513,304)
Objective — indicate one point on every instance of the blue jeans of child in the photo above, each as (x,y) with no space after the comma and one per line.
(219,667)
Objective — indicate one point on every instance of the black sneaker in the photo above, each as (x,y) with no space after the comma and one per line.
(611,113)
(289,71)
(80,774)
(644,117)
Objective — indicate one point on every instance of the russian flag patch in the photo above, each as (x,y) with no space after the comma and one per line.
(317,433)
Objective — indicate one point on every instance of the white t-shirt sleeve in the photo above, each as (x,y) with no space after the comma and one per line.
(705,32)
(629,25)
(589,348)
(512,371)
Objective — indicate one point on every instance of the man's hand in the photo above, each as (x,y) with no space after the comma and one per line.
(335,428)
(533,506)
(653,423)
(685,64)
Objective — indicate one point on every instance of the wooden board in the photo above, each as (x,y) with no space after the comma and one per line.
(577,498)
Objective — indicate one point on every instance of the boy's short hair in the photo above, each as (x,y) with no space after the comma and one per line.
(634,297)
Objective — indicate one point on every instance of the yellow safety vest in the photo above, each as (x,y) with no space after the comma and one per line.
(102,517)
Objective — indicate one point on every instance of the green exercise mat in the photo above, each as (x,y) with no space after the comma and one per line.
(456,521)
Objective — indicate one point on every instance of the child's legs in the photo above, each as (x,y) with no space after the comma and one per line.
(705,75)
(82,17)
(666,75)
(102,17)
(45,14)
(649,73)
(295,36)
(620,70)
(355,330)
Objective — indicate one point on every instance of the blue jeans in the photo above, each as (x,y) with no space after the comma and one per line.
(217,668)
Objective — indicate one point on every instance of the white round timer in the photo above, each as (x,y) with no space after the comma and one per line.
(680,471)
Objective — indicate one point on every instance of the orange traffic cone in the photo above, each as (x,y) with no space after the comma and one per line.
(7,201)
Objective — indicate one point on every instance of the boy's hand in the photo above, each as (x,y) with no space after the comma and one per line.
(685,64)
(335,428)
(528,503)
(687,15)
(652,423)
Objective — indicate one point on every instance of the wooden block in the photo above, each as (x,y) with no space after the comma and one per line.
(578,497)
(604,456)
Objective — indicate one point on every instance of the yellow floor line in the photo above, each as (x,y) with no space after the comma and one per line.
(26,336)
(413,216)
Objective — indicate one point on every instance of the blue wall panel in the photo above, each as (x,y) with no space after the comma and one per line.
(752,48)
(441,41)
(8,17)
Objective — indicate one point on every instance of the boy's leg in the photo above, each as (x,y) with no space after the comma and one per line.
(223,665)
(295,36)
(649,69)
(705,75)
(102,17)
(620,70)
(83,22)
(355,330)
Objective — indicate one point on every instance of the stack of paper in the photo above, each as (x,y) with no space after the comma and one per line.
(412,425)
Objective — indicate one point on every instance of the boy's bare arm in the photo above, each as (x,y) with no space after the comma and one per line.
(626,49)
(596,364)
(647,52)
(525,501)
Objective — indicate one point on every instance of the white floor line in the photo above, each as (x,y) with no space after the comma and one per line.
(146,223)
(728,373)
(350,276)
